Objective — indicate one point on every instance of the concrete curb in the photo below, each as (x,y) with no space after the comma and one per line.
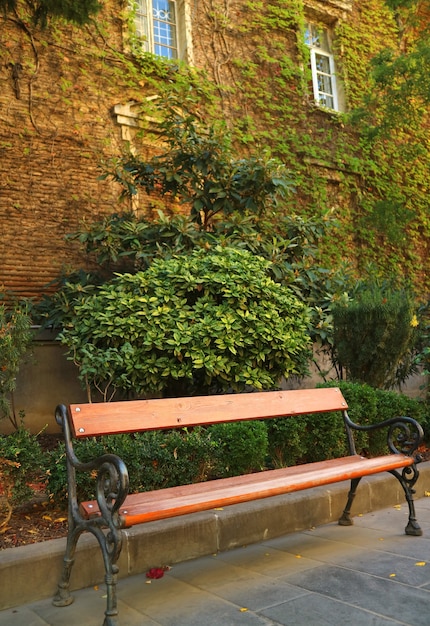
(30,573)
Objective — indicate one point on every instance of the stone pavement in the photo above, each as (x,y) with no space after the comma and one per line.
(367,574)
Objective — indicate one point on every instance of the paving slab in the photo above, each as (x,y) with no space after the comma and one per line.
(369,574)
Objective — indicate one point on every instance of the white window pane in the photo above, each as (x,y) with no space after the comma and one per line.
(322,63)
(322,66)
(155,22)
(317,37)
(327,101)
(141,20)
(325,84)
(164,24)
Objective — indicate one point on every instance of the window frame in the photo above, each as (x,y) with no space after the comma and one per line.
(314,50)
(144,28)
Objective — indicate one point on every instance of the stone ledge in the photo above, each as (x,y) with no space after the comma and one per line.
(30,573)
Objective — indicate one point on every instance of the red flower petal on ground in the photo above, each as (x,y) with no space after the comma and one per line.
(155,572)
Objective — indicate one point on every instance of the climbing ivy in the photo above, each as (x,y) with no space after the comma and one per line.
(78,11)
(367,167)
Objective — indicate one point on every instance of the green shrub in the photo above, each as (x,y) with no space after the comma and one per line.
(324,436)
(22,462)
(285,440)
(371,406)
(241,447)
(15,339)
(372,334)
(206,322)
(154,460)
(313,437)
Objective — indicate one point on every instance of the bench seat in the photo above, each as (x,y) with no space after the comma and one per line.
(150,506)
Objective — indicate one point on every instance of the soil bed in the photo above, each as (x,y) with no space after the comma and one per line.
(33,522)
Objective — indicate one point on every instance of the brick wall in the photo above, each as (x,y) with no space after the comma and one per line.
(58,90)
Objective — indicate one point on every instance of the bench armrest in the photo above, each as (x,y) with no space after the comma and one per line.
(112,480)
(404,434)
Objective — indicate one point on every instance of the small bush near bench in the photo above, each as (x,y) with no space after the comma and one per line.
(297,439)
(21,463)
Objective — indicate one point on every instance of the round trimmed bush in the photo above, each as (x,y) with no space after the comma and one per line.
(211,321)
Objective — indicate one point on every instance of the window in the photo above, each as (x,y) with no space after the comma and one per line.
(156,25)
(322,66)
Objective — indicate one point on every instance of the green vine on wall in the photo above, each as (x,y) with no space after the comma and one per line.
(257,81)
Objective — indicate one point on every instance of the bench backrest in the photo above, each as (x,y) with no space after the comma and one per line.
(139,415)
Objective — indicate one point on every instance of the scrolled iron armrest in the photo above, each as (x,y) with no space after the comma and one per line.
(404,434)
(112,476)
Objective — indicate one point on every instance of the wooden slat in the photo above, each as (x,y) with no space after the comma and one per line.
(165,503)
(139,415)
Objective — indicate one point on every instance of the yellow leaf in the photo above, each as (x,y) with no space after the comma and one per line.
(218,508)
(243,610)
(421,563)
(427,493)
(392,575)
(148,582)
(397,506)
(60,519)
(47,517)
(96,587)
(298,556)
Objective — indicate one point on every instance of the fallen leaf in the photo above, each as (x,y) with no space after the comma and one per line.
(60,520)
(397,506)
(392,575)
(427,493)
(47,517)
(421,563)
(243,610)
(298,556)
(96,587)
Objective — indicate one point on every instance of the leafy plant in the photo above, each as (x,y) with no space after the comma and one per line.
(127,243)
(154,460)
(368,405)
(241,447)
(21,463)
(213,320)
(15,340)
(197,168)
(373,331)
(78,11)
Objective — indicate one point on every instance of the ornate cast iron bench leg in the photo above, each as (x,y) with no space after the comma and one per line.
(110,544)
(345,519)
(407,478)
(63,596)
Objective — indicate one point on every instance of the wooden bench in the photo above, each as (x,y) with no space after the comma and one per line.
(114,509)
